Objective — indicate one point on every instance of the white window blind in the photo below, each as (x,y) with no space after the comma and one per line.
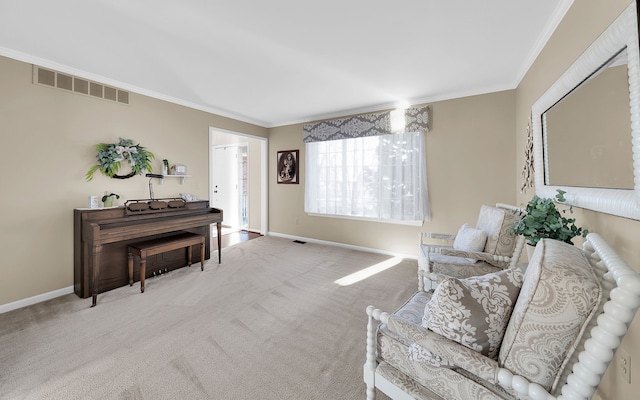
(374,177)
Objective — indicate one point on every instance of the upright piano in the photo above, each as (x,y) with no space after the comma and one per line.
(101,237)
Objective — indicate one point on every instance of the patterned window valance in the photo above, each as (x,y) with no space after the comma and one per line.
(374,124)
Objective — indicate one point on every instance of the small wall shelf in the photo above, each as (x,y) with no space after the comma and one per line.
(182,178)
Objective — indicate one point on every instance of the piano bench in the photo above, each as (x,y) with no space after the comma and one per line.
(162,245)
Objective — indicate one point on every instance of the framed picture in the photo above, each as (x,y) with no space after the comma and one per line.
(288,166)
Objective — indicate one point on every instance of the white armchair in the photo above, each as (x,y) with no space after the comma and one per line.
(561,325)
(489,247)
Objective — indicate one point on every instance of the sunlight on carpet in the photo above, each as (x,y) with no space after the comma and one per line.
(270,322)
(369,271)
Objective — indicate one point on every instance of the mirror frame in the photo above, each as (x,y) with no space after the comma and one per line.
(622,202)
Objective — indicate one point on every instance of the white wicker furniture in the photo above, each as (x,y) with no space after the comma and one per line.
(571,313)
(502,248)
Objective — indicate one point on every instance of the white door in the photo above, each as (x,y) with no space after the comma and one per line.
(258,220)
(226,191)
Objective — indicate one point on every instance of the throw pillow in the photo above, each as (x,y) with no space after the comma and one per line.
(497,222)
(470,239)
(474,311)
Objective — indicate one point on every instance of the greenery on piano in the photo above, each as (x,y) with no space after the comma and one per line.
(111,155)
(106,196)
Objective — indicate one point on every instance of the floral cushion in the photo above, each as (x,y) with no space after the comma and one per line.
(558,299)
(473,312)
(470,239)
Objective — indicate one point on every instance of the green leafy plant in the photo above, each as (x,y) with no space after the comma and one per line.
(106,196)
(111,155)
(543,220)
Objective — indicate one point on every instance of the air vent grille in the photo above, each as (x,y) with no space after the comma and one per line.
(80,86)
(64,82)
(59,80)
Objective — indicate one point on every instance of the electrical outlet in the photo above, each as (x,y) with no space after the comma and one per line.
(624,364)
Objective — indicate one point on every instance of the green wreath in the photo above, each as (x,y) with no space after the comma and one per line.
(111,155)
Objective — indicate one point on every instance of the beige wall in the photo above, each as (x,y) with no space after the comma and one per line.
(470,161)
(583,23)
(475,155)
(48,139)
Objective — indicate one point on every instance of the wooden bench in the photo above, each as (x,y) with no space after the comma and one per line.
(162,245)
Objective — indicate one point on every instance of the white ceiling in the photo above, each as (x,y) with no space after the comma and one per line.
(279,62)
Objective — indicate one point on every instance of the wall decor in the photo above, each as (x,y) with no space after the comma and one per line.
(528,167)
(111,155)
(621,34)
(178,169)
(288,166)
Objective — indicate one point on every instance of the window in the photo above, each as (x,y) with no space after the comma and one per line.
(375,177)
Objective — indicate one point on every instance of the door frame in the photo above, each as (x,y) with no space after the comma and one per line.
(264,165)
(212,195)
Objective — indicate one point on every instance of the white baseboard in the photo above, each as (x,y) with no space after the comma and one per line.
(68,290)
(35,299)
(346,246)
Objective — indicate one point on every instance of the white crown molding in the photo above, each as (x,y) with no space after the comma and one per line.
(390,106)
(29,59)
(560,11)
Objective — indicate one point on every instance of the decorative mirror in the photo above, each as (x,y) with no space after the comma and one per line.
(591,115)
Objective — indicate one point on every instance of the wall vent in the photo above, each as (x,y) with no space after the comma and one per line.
(59,80)
(80,86)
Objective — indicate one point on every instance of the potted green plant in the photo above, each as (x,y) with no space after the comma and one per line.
(107,199)
(543,220)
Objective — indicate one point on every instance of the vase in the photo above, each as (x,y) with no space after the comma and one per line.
(108,202)
(530,249)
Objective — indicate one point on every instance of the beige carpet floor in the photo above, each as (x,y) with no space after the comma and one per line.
(268,323)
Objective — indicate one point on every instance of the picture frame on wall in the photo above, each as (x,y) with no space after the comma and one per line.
(287,162)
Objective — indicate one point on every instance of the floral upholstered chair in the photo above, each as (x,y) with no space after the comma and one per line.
(490,246)
(549,332)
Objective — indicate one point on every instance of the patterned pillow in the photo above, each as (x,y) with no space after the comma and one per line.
(560,295)
(470,239)
(473,311)
(497,222)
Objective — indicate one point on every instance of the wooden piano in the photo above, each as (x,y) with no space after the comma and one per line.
(101,237)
